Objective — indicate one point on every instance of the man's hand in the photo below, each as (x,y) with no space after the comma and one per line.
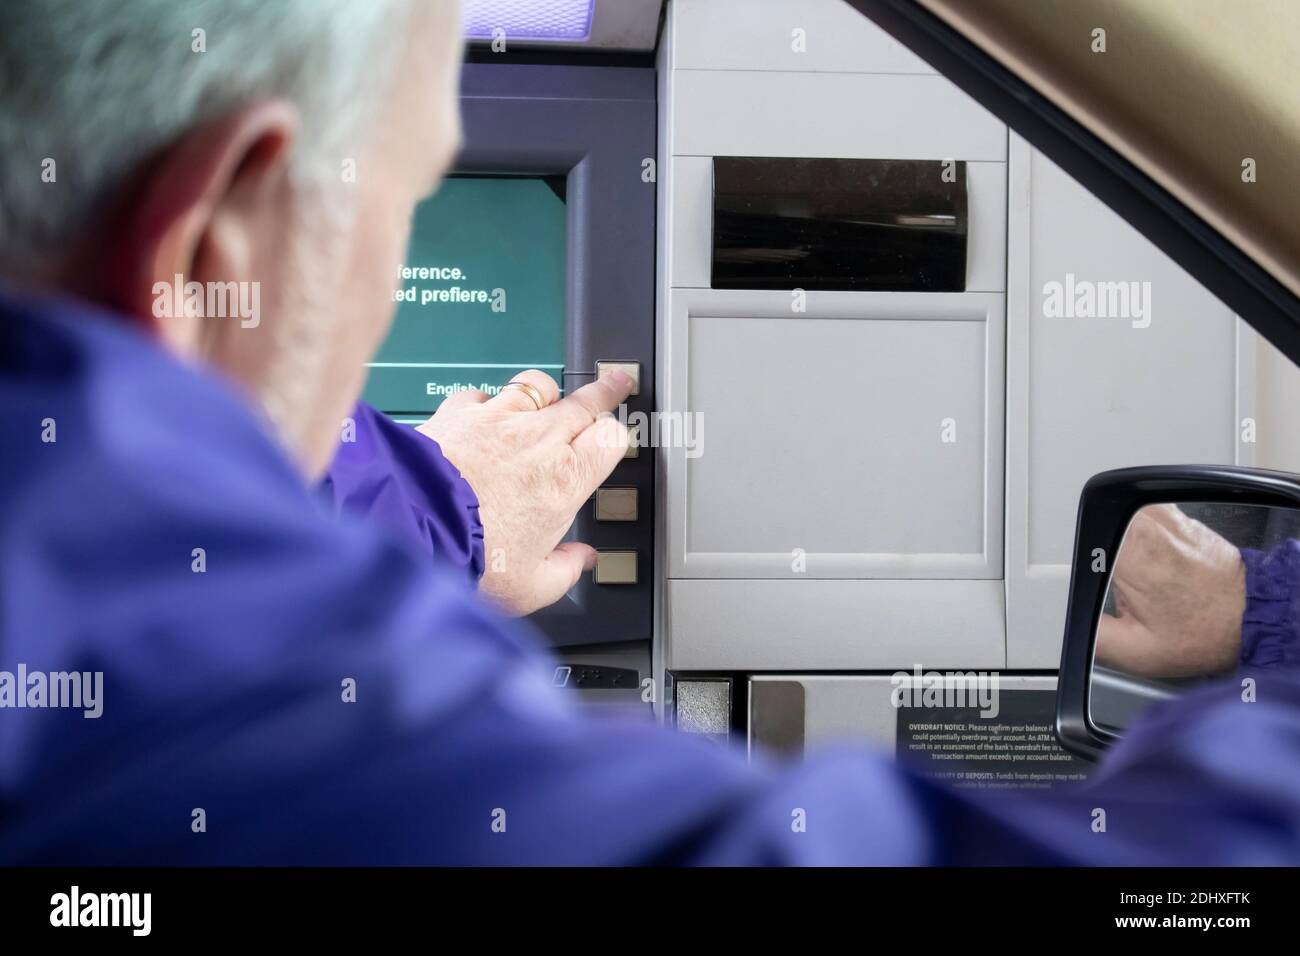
(532,470)
(1180,590)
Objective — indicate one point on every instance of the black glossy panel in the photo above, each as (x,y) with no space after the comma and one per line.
(865,224)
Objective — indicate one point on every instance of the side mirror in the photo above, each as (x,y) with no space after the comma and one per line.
(1158,589)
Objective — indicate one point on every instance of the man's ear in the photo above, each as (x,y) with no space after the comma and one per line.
(201,211)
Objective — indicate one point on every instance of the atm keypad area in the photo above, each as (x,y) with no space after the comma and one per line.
(524,259)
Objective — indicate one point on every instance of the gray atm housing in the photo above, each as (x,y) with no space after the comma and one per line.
(596,127)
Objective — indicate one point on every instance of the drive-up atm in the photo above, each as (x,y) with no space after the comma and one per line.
(860,429)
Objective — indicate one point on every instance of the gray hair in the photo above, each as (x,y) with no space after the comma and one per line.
(91,91)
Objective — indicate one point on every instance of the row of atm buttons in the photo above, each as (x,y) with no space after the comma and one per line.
(618,504)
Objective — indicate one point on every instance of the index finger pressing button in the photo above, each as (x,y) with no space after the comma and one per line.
(631,369)
(577,410)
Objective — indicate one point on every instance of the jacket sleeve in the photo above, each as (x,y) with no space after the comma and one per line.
(1270,626)
(395,477)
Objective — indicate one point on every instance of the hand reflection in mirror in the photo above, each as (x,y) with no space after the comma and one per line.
(1179,591)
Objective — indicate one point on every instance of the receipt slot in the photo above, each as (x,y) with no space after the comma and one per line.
(892,225)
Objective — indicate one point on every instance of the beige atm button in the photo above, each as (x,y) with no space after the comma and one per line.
(616,567)
(633,442)
(616,504)
(631,369)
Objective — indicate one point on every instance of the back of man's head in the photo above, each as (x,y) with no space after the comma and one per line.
(264,151)
(90,91)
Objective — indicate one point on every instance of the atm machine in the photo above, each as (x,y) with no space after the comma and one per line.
(539,252)
(850,509)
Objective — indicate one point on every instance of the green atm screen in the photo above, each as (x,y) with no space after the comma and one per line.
(481,295)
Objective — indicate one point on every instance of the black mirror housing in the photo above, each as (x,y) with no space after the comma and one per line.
(1106,506)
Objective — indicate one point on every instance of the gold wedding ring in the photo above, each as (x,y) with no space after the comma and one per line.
(528,390)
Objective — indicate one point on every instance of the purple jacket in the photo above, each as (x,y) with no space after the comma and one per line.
(321,694)
(1270,626)
(400,480)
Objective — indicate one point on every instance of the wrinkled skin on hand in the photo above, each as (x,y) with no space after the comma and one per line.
(1180,592)
(532,470)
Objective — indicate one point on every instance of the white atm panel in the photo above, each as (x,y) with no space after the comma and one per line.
(715,625)
(860,439)
(813,35)
(1166,383)
(833,115)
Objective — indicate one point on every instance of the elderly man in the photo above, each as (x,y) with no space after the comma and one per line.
(282,685)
